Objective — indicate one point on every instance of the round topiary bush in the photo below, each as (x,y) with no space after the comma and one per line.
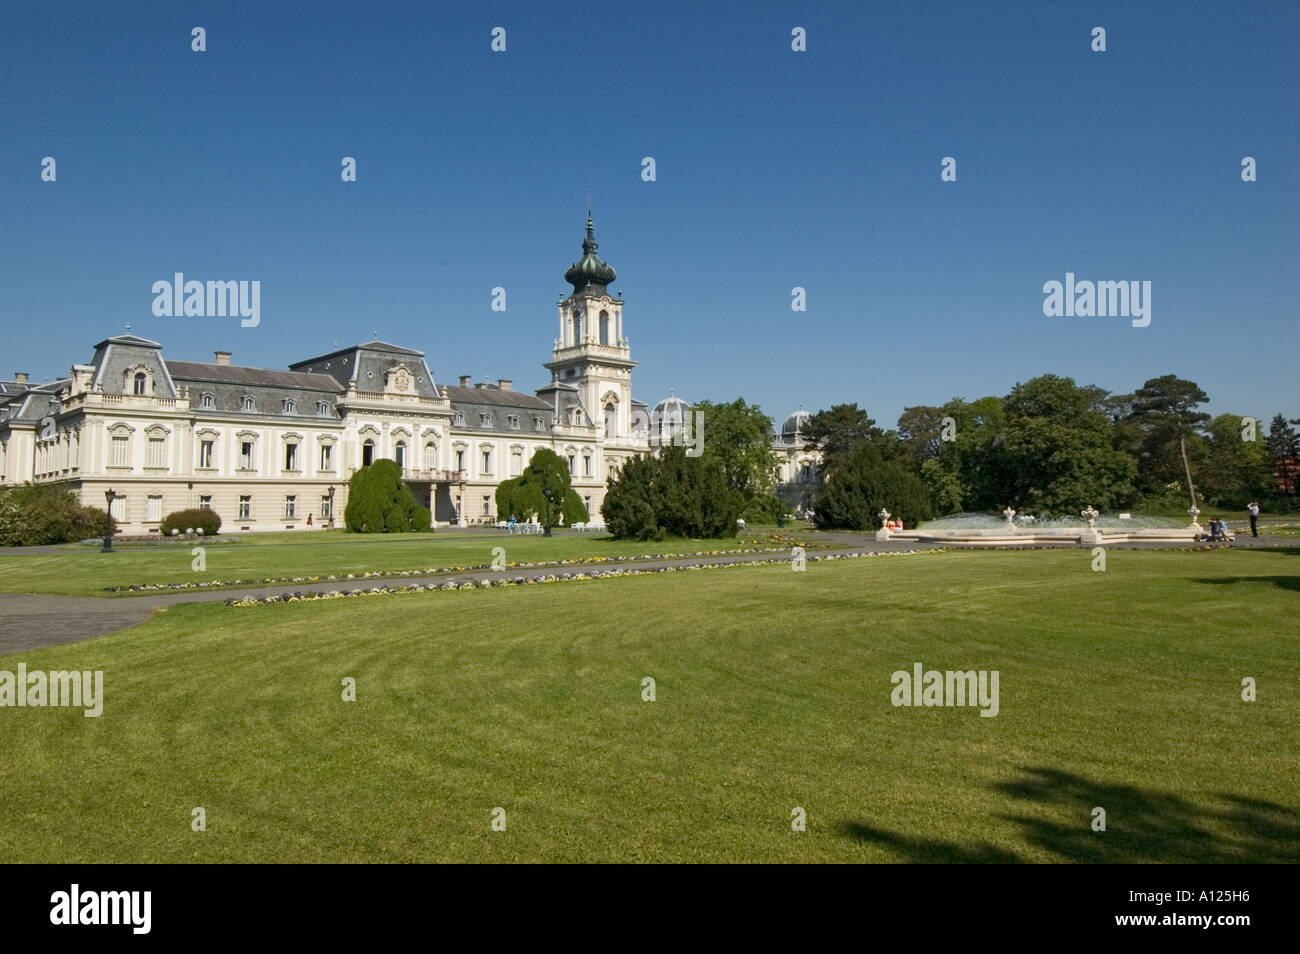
(201,519)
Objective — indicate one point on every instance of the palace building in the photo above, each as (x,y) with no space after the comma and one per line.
(267,448)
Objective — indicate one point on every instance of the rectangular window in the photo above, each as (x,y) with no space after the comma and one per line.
(205,502)
(572,464)
(487,506)
(325,507)
(153,509)
(326,457)
(487,462)
(516,463)
(157,452)
(205,453)
(245,508)
(460,460)
(118,508)
(290,456)
(586,466)
(290,507)
(121,452)
(246,455)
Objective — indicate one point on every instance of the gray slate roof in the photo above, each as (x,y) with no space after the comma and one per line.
(195,372)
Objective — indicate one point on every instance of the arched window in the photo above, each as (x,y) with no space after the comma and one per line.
(247,404)
(400,454)
(430,456)
(139,382)
(367,453)
(611,420)
(605,330)
(577,327)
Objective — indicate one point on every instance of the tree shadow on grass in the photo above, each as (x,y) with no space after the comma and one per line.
(1286,582)
(927,850)
(1142,826)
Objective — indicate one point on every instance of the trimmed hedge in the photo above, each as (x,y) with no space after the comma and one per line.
(196,518)
(378,502)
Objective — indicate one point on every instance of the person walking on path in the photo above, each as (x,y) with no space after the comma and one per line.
(1253,509)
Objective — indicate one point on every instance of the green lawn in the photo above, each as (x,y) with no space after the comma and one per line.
(78,570)
(1119,689)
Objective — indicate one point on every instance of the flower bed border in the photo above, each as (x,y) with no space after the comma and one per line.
(579,576)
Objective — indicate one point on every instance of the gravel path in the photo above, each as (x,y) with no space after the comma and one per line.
(29,621)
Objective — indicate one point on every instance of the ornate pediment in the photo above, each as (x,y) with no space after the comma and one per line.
(399,381)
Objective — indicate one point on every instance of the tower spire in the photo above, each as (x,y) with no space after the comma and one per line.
(590,272)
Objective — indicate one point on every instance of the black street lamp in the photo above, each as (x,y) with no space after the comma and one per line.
(546,530)
(110,496)
(331,506)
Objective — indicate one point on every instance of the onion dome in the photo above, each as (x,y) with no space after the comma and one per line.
(590,275)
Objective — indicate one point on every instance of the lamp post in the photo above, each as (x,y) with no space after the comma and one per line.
(110,496)
(546,530)
(331,506)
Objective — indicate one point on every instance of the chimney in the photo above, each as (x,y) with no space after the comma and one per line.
(223,357)
(504,384)
(464,380)
(20,377)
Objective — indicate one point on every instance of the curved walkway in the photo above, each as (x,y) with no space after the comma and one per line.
(31,621)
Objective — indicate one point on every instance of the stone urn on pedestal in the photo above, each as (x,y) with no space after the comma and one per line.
(1092,535)
(1009,516)
(883,533)
(1197,530)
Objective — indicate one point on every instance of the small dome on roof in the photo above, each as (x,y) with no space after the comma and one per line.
(668,420)
(795,423)
(671,408)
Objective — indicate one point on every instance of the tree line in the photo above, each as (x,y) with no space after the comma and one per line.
(1050,447)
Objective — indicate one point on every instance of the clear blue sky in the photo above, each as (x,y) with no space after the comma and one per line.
(775,169)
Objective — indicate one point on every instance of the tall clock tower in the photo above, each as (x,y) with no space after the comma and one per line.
(591,361)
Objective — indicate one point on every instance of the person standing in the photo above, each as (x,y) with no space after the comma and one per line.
(1253,509)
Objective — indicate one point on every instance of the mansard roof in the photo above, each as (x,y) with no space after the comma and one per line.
(199,373)
(134,340)
(31,407)
(366,365)
(490,395)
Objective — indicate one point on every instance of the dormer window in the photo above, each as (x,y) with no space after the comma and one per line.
(322,408)
(485,420)
(206,400)
(289,405)
(539,423)
(139,383)
(514,421)
(460,418)
(248,404)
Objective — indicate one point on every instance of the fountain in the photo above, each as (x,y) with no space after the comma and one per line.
(1094,529)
